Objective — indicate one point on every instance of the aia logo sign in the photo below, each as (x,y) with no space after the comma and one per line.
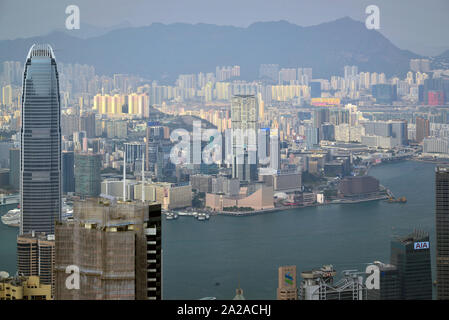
(421,245)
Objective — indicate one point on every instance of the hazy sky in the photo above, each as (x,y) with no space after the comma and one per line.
(417,25)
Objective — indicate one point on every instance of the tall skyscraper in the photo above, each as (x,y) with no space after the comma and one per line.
(442,231)
(287,289)
(87,174)
(117,247)
(411,255)
(275,150)
(40,142)
(87,124)
(384,93)
(312,137)
(153,148)
(389,285)
(244,125)
(422,129)
(134,154)
(68,171)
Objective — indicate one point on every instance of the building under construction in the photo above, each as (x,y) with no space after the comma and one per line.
(319,285)
(116,247)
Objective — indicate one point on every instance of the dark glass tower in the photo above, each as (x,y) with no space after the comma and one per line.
(68,171)
(389,285)
(40,166)
(87,174)
(442,231)
(411,255)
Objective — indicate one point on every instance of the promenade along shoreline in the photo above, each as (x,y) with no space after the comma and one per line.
(381,195)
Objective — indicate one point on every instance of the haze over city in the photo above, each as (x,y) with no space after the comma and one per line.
(414,25)
(224,150)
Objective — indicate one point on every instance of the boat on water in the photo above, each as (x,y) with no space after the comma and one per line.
(12,218)
(397,200)
(171,216)
(184,213)
(203,216)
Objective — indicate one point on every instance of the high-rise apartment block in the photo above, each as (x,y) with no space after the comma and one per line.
(134,154)
(7,95)
(36,256)
(422,65)
(244,125)
(87,124)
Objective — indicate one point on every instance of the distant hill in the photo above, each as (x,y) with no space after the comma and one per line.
(162,51)
(445,55)
(90,31)
(441,61)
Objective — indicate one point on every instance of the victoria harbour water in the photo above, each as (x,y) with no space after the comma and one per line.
(212,258)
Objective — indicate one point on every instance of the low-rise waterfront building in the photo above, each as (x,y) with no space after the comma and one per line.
(24,288)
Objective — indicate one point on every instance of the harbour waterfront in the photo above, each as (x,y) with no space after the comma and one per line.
(8,238)
(211,258)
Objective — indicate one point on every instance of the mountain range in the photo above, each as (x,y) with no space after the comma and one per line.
(162,51)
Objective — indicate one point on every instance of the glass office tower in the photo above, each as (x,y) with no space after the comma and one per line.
(411,255)
(442,231)
(40,166)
